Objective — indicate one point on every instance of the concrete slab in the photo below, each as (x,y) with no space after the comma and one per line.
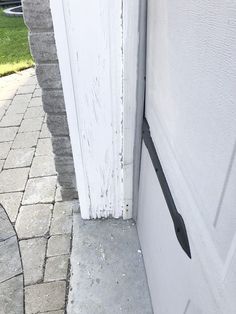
(108,274)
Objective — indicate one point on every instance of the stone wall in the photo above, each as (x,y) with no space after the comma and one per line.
(38,18)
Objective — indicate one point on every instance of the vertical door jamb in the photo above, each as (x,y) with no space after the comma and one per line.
(140,101)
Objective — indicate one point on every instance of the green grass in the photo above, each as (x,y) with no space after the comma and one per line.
(14,47)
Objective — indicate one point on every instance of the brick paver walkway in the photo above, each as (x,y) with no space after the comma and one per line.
(35,223)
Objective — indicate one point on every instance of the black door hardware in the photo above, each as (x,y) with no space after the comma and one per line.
(177,219)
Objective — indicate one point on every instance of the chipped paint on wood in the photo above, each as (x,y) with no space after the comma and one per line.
(100,98)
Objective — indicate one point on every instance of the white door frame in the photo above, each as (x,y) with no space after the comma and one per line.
(131,66)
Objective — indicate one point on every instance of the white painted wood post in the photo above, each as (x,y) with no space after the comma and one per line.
(97,44)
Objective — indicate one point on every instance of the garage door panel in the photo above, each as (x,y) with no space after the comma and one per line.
(194,97)
(174,279)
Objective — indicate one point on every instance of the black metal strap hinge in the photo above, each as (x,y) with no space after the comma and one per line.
(177,219)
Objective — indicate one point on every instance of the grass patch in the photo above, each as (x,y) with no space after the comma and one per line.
(14,47)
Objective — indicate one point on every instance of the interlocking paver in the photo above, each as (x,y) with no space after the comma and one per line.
(7,94)
(21,100)
(2,112)
(56,268)
(6,229)
(19,104)
(4,149)
(13,180)
(40,190)
(45,241)
(37,92)
(24,140)
(45,297)
(36,102)
(42,166)
(26,89)
(16,108)
(33,220)
(30,125)
(34,112)
(62,218)
(31,80)
(44,147)
(19,158)
(8,134)
(45,133)
(58,245)
(1,164)
(9,259)
(33,253)
(11,120)
(11,296)
(4,104)
(11,203)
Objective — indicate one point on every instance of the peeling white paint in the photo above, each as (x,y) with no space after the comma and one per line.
(101,40)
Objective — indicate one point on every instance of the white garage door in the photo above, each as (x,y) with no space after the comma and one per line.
(191,112)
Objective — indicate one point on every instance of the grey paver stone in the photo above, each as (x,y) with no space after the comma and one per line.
(30,125)
(58,245)
(37,92)
(2,112)
(40,190)
(45,133)
(7,134)
(26,89)
(7,94)
(33,220)
(56,268)
(6,229)
(34,112)
(11,203)
(44,147)
(11,120)
(4,104)
(31,80)
(13,180)
(33,253)
(1,164)
(19,158)
(43,166)
(19,104)
(62,218)
(45,297)
(11,296)
(17,108)
(24,140)
(21,100)
(36,102)
(9,259)
(4,149)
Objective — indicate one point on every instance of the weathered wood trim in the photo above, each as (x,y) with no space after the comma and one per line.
(140,99)
(102,111)
(130,80)
(63,51)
